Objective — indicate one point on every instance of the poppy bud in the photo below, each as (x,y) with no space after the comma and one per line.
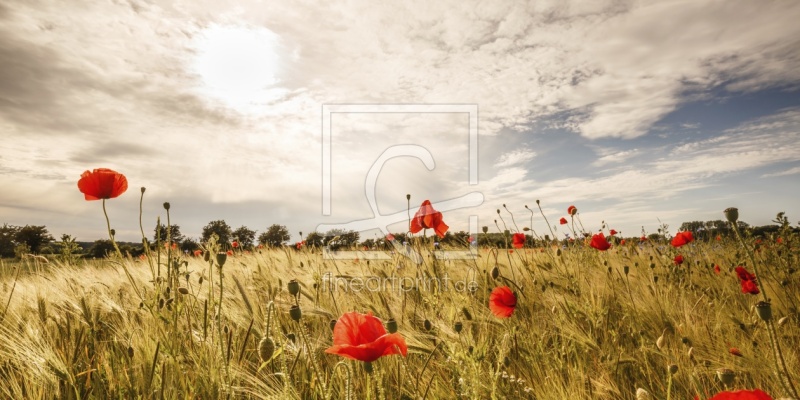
(685,340)
(470,349)
(495,273)
(672,368)
(130,352)
(206,256)
(485,229)
(458,326)
(266,348)
(537,201)
(725,376)
(506,361)
(626,269)
(221,258)
(558,252)
(294,287)
(525,229)
(467,314)
(291,336)
(200,280)
(295,313)
(143,189)
(498,211)
(764,310)
(732,214)
(652,265)
(166,205)
(332,324)
(183,290)
(427,325)
(408,197)
(655,279)
(391,325)
(113,232)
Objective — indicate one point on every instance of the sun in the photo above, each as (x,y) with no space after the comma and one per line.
(238,65)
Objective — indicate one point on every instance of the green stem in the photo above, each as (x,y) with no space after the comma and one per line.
(108,225)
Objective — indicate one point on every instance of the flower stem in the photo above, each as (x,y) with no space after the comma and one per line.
(108,225)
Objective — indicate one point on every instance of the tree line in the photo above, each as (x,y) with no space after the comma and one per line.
(18,241)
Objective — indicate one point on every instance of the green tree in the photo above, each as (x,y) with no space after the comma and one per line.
(174,231)
(8,235)
(33,236)
(221,228)
(189,244)
(275,236)
(314,239)
(246,237)
(100,248)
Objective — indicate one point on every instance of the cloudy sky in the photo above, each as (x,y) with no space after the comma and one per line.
(638,113)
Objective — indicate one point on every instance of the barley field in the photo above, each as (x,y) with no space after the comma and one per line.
(629,322)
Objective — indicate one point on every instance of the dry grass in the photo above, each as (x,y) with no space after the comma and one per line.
(583,328)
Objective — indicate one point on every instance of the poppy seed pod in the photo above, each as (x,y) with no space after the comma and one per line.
(166,205)
(206,255)
(427,325)
(183,290)
(295,313)
(391,325)
(294,287)
(143,189)
(221,258)
(266,348)
(408,197)
(731,214)
(725,376)
(495,273)
(672,368)
(764,310)
(485,229)
(113,232)
(458,326)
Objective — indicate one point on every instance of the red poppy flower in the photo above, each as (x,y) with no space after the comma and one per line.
(102,183)
(719,237)
(622,242)
(235,244)
(756,394)
(599,242)
(502,302)
(779,240)
(682,238)
(428,218)
(643,238)
(362,337)
(678,260)
(229,252)
(198,253)
(562,221)
(572,210)
(390,237)
(612,232)
(298,245)
(716,269)
(518,240)
(747,280)
(734,351)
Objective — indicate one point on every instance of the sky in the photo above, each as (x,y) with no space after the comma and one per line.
(639,113)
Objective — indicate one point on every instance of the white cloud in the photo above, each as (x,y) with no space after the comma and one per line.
(515,157)
(790,171)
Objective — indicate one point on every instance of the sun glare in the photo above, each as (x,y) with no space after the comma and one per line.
(238,65)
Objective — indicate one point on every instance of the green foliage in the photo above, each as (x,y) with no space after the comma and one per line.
(174,231)
(246,237)
(275,236)
(100,249)
(221,228)
(34,237)
(69,247)
(8,235)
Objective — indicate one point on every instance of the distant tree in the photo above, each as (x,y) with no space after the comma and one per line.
(314,239)
(221,228)
(100,248)
(174,231)
(339,238)
(189,244)
(8,235)
(275,236)
(33,236)
(246,237)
